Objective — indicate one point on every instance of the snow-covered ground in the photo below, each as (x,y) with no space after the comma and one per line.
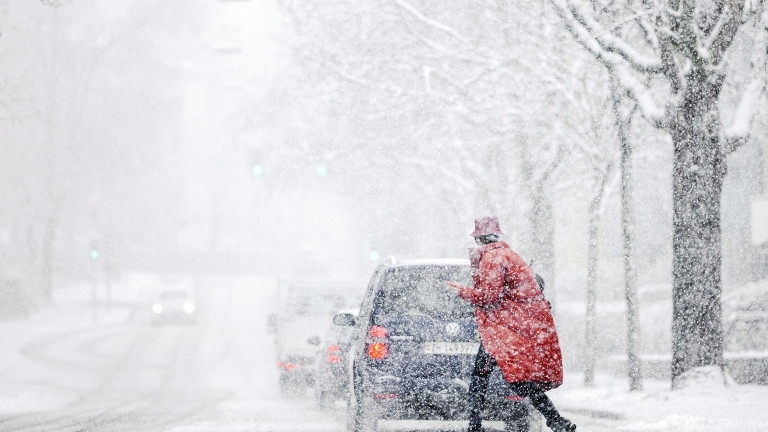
(68,368)
(705,405)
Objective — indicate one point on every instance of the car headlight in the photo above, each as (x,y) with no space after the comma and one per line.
(189,308)
(157,308)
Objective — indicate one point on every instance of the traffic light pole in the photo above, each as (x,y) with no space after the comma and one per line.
(94,289)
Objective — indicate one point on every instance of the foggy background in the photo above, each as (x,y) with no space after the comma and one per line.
(313,139)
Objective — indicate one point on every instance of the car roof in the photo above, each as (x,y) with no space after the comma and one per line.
(170,293)
(433,261)
(353,311)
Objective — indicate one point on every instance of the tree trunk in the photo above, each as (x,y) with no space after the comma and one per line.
(590,321)
(634,366)
(541,218)
(48,253)
(590,324)
(699,170)
(540,239)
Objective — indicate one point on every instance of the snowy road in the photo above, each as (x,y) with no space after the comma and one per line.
(132,376)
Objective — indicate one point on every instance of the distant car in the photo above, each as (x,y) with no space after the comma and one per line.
(301,317)
(331,381)
(174,305)
(413,352)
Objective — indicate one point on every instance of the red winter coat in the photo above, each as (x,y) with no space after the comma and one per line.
(515,321)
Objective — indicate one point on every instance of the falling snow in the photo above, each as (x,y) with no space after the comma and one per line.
(227,149)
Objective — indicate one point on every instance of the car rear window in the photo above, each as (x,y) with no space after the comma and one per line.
(175,294)
(319,304)
(421,290)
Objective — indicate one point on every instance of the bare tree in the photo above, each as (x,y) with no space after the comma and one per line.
(596,208)
(470,92)
(84,125)
(684,45)
(595,150)
(634,365)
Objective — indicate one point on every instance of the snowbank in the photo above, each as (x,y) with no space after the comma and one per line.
(704,403)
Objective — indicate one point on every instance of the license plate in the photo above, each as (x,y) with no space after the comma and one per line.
(469,348)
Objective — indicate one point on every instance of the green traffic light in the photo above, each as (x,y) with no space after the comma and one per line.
(94,254)
(257,171)
(321,170)
(374,256)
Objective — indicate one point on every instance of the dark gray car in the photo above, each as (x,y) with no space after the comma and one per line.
(414,349)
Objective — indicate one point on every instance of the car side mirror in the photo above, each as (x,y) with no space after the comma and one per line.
(344,319)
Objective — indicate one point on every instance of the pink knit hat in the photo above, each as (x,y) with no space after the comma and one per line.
(486,225)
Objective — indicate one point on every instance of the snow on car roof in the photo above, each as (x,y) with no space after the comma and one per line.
(434,261)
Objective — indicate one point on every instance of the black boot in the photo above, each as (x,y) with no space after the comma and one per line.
(475,427)
(475,422)
(561,424)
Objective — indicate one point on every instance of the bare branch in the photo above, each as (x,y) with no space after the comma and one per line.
(612,44)
(554,163)
(470,55)
(432,23)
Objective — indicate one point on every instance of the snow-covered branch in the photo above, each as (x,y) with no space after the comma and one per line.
(626,72)
(641,93)
(737,132)
(723,34)
(610,43)
(650,34)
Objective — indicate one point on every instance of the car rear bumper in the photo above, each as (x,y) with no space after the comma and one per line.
(436,400)
(297,376)
(296,368)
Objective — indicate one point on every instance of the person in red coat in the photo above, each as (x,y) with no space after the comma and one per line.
(517,331)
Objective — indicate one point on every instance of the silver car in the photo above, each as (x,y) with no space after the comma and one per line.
(174,305)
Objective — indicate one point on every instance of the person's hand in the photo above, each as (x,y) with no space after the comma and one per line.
(456,287)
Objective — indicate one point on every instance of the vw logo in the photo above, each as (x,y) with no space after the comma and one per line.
(452,329)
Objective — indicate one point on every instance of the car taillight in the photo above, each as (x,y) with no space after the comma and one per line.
(289,366)
(377,344)
(333,354)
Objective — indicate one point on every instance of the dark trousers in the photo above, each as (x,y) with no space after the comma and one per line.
(481,373)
